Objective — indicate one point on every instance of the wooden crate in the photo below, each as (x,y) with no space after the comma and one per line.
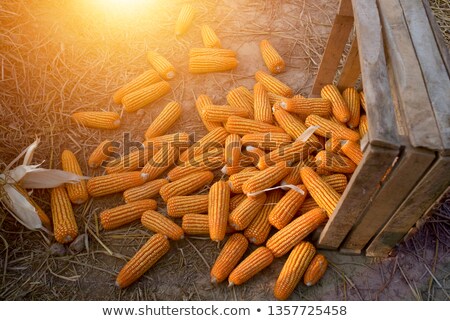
(398,51)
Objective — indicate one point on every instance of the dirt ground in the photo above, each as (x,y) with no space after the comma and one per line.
(58,57)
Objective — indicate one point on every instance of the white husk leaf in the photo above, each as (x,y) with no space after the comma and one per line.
(47,178)
(30,152)
(299,190)
(307,133)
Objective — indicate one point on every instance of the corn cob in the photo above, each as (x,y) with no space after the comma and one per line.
(363,126)
(337,181)
(266,178)
(266,141)
(218,210)
(124,214)
(144,259)
(114,183)
(323,172)
(258,230)
(258,260)
(233,149)
(180,140)
(144,96)
(158,223)
(162,160)
(146,79)
(333,145)
(168,116)
(296,151)
(65,226)
(352,150)
(214,139)
(241,97)
(293,233)
(271,57)
(273,85)
(187,185)
(339,107)
(246,211)
(147,190)
(322,192)
(262,107)
(229,257)
(195,224)
(293,270)
(77,192)
(45,220)
(315,270)
(328,128)
(335,162)
(287,207)
(362,98)
(306,106)
(352,100)
(209,37)
(210,160)
(236,200)
(243,126)
(274,98)
(164,68)
(216,52)
(220,113)
(130,162)
(185,18)
(253,153)
(178,206)
(231,170)
(308,205)
(201,102)
(97,119)
(207,64)
(100,153)
(294,177)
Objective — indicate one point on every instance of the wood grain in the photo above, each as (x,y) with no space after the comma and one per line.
(352,68)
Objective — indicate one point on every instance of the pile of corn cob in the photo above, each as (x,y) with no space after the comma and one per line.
(271,179)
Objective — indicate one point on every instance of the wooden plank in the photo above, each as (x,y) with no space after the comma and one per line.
(414,206)
(351,69)
(409,169)
(362,186)
(411,91)
(434,72)
(380,110)
(343,24)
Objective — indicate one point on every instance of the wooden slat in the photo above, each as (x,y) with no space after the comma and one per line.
(343,24)
(411,91)
(380,110)
(415,205)
(362,186)
(351,69)
(433,69)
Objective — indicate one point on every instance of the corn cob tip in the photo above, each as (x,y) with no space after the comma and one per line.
(68,239)
(117,284)
(224,170)
(116,123)
(252,240)
(170,75)
(230,184)
(230,284)
(144,176)
(308,284)
(282,105)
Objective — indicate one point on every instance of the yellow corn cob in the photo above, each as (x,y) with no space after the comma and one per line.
(100,153)
(146,79)
(233,149)
(220,113)
(246,211)
(333,145)
(266,178)
(178,206)
(287,207)
(187,185)
(363,125)
(231,170)
(337,181)
(328,128)
(315,270)
(158,223)
(266,141)
(207,64)
(164,68)
(45,220)
(241,97)
(352,150)
(114,183)
(321,191)
(97,119)
(258,230)
(294,177)
(65,226)
(273,85)
(335,162)
(217,52)
(162,160)
(308,205)
(293,270)
(195,224)
(144,96)
(130,162)
(214,139)
(209,37)
(218,210)
(77,192)
(293,233)
(229,257)
(306,106)
(243,126)
(210,160)
(339,107)
(124,214)
(180,140)
(253,153)
(258,260)
(144,259)
(335,120)
(185,19)
(291,153)
(237,180)
(353,102)
(147,190)
(201,102)
(168,116)
(271,57)
(362,98)
(323,172)
(274,98)
(262,107)
(236,200)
